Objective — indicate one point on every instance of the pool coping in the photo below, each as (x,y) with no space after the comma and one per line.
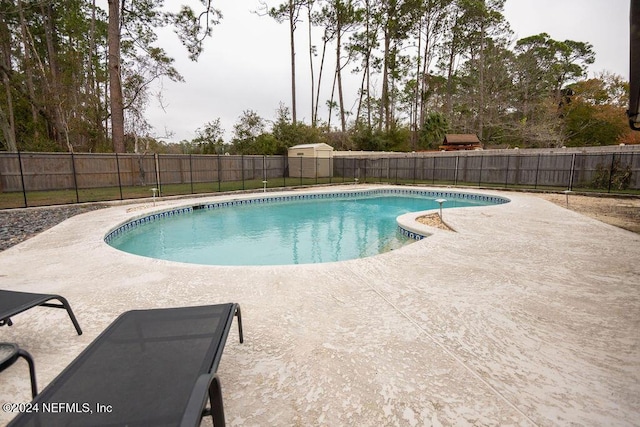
(406,223)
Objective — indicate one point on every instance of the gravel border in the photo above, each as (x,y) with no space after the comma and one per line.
(18,225)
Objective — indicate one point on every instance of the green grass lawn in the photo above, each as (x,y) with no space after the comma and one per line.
(62,197)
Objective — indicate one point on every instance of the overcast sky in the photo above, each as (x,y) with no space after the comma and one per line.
(245,65)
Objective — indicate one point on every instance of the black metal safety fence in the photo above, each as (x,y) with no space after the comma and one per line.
(602,172)
(38,179)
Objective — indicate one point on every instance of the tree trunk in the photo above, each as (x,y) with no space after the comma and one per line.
(115,83)
(362,92)
(385,104)
(292,29)
(7,131)
(424,84)
(93,86)
(450,70)
(481,83)
(324,51)
(413,122)
(432,15)
(343,121)
(7,121)
(58,125)
(331,103)
(365,72)
(368,71)
(313,90)
(28,68)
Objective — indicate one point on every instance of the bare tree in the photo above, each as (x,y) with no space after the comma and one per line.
(290,12)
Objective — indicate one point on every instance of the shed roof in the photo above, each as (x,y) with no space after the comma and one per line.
(461,138)
(319,145)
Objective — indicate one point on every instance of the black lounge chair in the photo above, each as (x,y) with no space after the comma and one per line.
(12,303)
(148,368)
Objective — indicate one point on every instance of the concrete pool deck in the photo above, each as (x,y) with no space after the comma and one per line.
(528,314)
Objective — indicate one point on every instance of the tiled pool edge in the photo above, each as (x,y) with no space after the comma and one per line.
(408,232)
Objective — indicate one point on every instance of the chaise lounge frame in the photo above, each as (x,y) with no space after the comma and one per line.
(14,302)
(149,367)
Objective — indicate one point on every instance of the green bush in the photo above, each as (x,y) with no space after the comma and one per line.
(613,176)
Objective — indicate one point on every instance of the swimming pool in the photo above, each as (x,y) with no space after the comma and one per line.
(278,230)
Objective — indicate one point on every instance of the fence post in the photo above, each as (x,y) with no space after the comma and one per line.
(75,178)
(572,171)
(285,162)
(118,171)
(355,169)
(535,185)
(157,172)
(242,168)
(611,170)
(387,163)
(331,168)
(396,159)
(480,175)
(455,175)
(516,172)
(414,169)
(344,161)
(24,190)
(301,170)
(506,174)
(365,169)
(433,171)
(219,173)
(630,164)
(191,173)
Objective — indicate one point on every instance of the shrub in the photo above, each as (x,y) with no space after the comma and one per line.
(613,176)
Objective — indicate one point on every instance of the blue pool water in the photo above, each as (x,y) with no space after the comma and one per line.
(288,232)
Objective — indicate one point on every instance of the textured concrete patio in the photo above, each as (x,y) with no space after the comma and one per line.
(528,314)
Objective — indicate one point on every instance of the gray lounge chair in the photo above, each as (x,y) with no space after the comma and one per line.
(13,302)
(149,367)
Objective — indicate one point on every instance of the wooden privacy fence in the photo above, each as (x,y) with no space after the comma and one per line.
(57,171)
(611,172)
(31,179)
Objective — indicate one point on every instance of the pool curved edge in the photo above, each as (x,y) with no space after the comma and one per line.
(410,227)
(407,223)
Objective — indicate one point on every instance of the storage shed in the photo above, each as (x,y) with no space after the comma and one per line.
(311,161)
(461,141)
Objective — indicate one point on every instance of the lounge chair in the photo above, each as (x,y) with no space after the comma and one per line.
(149,367)
(12,303)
